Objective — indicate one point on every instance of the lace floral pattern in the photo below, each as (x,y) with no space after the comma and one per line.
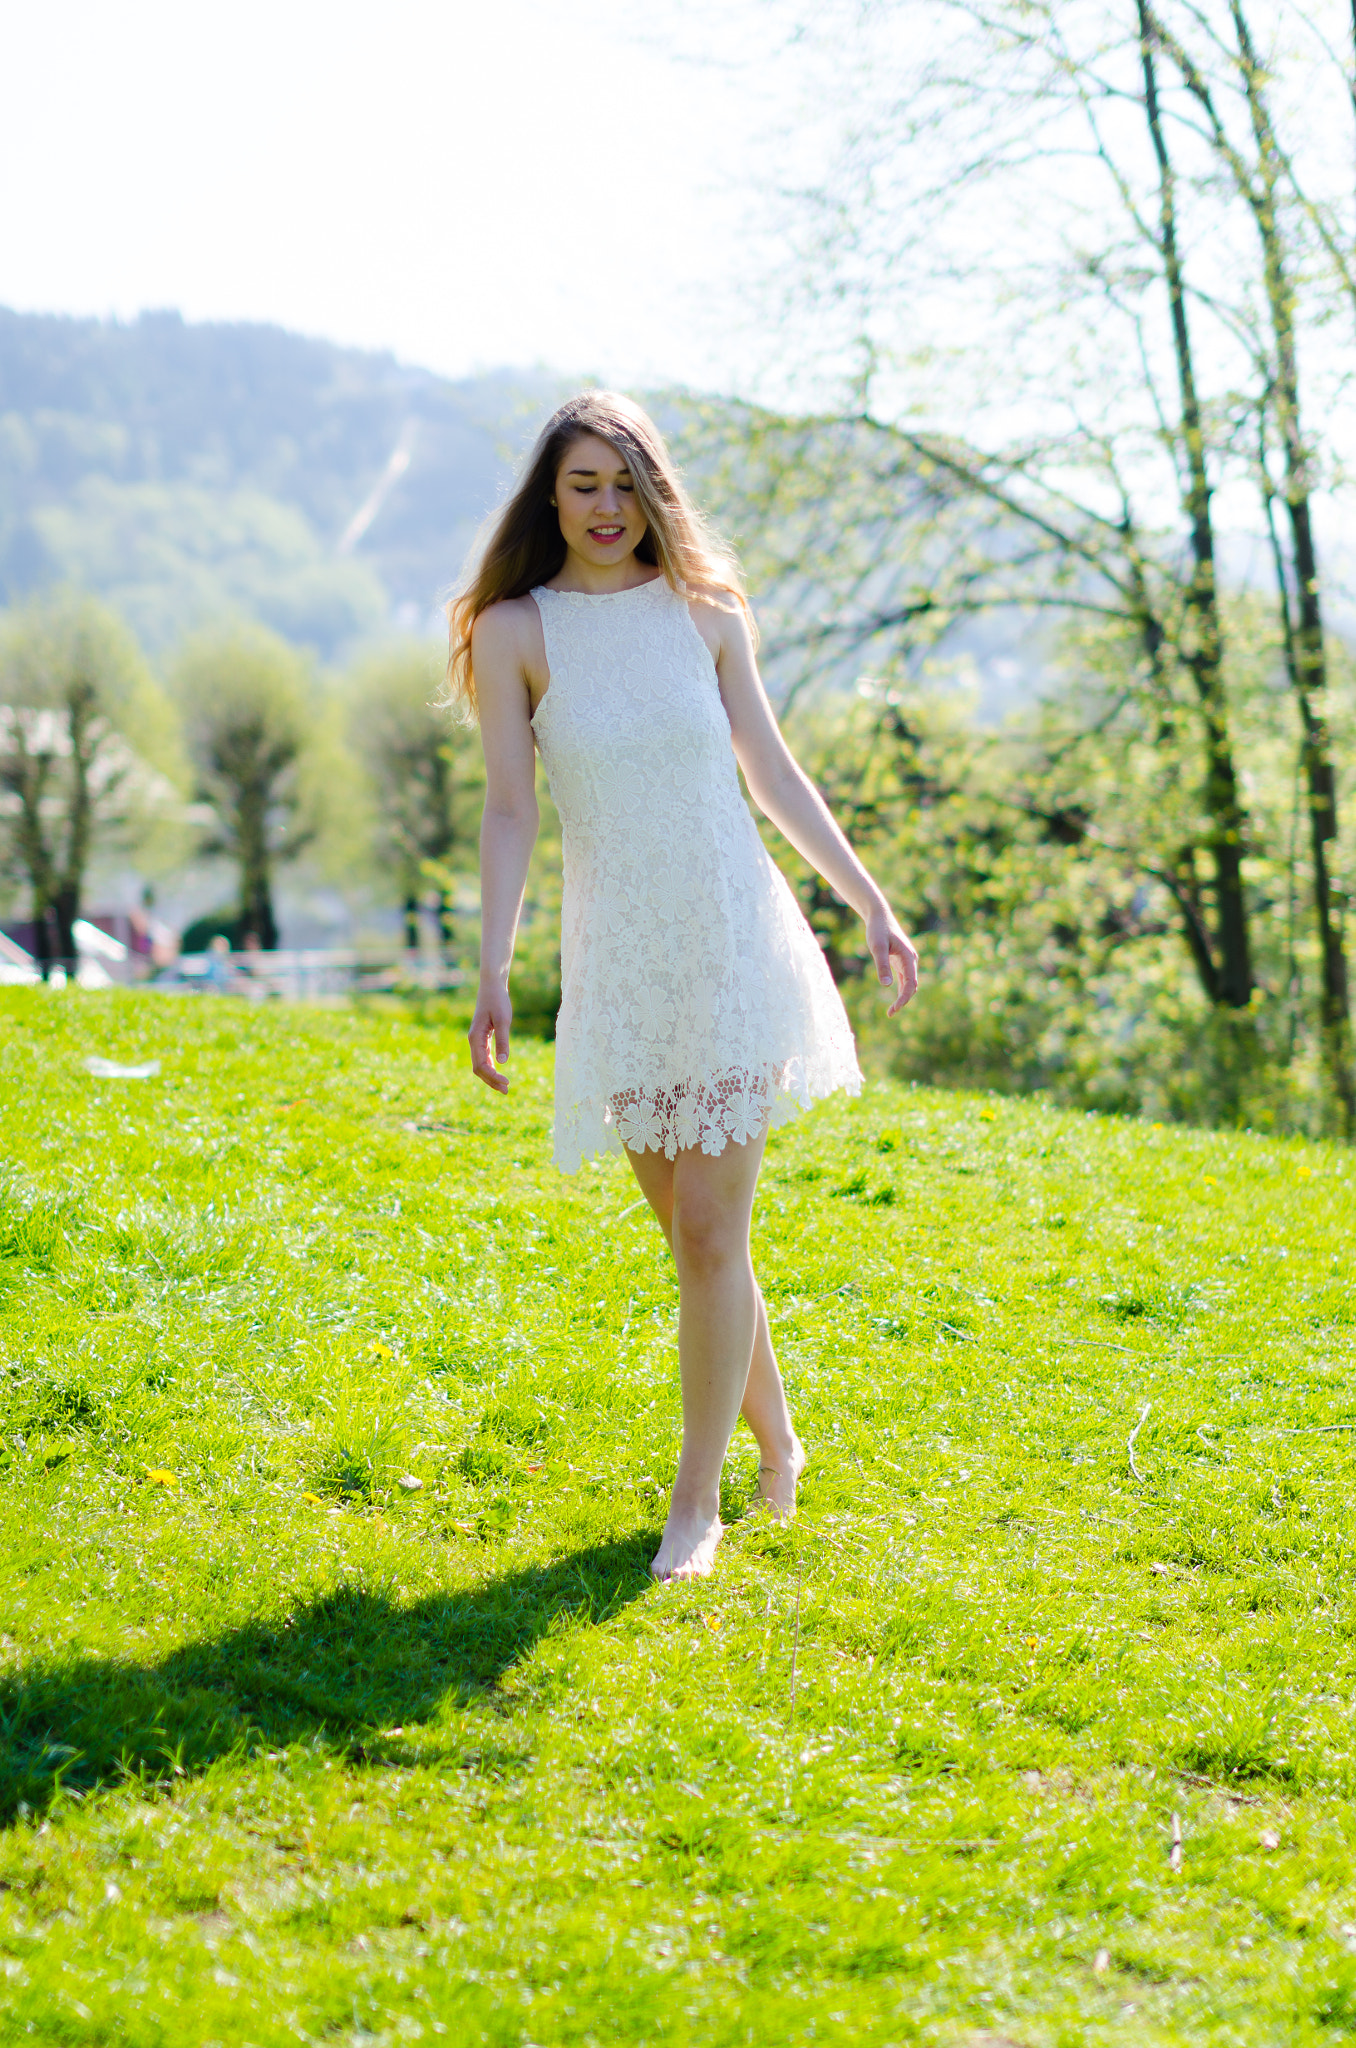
(696,1006)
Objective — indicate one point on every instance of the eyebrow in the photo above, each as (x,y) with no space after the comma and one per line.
(623,471)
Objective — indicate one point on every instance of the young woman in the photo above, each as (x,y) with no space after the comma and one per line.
(605,629)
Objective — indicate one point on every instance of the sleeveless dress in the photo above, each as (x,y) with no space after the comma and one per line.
(696,1004)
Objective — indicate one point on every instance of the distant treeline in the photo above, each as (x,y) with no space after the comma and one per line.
(242,751)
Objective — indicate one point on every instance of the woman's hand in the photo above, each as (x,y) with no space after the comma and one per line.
(490,1027)
(894,955)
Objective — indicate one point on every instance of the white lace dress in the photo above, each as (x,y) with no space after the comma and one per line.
(696,1005)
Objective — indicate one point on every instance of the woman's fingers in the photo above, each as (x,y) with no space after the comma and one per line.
(490,1028)
(904,961)
(894,958)
(485,1070)
(483,1067)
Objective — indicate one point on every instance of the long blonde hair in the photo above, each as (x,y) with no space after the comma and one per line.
(526,548)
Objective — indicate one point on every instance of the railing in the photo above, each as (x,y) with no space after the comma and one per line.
(303,975)
(299,974)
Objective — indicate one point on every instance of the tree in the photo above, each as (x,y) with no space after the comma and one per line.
(1069,266)
(1202,638)
(1264,178)
(87,753)
(425,778)
(250,717)
(931,535)
(1051,955)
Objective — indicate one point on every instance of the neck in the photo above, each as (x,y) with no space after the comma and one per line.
(596,579)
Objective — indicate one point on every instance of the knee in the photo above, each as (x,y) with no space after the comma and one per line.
(704,1234)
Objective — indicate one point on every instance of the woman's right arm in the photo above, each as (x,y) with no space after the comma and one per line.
(508,827)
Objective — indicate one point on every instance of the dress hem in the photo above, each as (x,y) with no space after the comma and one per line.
(745,1116)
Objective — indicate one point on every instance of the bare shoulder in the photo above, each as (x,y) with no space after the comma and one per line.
(720,618)
(506,627)
(507,643)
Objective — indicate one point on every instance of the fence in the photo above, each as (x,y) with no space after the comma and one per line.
(304,975)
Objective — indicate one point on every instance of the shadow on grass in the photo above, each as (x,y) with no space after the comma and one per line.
(342,1668)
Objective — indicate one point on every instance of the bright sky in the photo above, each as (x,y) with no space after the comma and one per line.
(474,183)
(510,182)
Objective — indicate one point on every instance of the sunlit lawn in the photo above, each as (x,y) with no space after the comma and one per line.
(296,1751)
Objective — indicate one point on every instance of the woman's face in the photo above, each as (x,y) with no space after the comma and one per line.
(596,499)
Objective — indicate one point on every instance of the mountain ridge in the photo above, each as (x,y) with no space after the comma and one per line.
(187,470)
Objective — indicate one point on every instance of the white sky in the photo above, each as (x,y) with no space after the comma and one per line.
(470,183)
(514,182)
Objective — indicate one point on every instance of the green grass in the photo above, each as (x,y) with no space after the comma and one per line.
(294,1753)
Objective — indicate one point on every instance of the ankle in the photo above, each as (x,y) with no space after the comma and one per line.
(694,1505)
(779,1453)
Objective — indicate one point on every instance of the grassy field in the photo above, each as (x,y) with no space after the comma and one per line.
(1014,1737)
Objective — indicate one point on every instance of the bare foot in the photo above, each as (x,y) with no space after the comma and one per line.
(687,1549)
(777,1485)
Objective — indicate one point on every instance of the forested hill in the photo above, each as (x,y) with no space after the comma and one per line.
(187,471)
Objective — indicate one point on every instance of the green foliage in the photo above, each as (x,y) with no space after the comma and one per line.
(425,776)
(290,1750)
(215,924)
(89,752)
(1105,849)
(1038,864)
(181,557)
(255,733)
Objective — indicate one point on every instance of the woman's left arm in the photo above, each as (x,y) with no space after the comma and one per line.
(784,792)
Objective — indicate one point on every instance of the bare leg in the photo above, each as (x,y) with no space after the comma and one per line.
(781,1457)
(726,1359)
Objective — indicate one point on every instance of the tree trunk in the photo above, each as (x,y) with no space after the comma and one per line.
(1321,805)
(25,776)
(46,941)
(1203,650)
(1179,876)
(1335,1004)
(256,882)
(81,715)
(411,914)
(442,841)
(256,910)
(68,872)
(1306,654)
(1180,879)
(64,912)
